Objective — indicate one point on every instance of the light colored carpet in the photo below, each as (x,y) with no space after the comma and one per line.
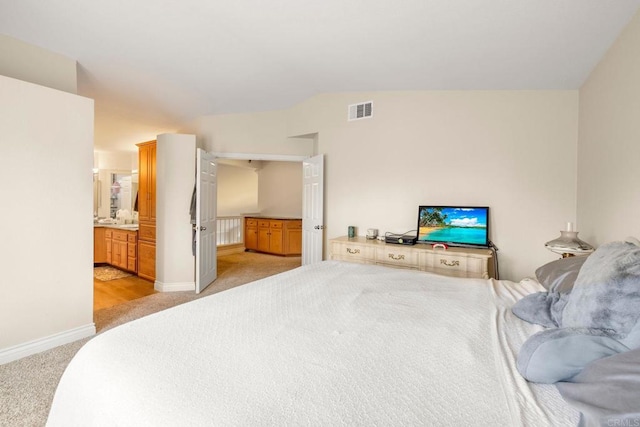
(27,385)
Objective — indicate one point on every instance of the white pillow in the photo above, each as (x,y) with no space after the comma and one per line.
(633,240)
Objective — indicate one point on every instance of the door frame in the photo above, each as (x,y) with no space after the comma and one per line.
(266,157)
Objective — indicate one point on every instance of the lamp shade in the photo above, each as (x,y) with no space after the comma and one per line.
(568,244)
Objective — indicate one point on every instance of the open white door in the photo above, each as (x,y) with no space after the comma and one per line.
(312,209)
(206,209)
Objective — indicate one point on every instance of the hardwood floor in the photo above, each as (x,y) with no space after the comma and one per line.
(114,292)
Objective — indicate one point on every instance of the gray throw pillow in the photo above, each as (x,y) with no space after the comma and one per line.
(607,291)
(541,308)
(556,355)
(560,275)
(607,391)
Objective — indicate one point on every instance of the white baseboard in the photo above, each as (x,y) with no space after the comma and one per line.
(37,346)
(174,287)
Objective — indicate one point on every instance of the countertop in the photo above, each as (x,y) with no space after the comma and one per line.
(129,227)
(273,217)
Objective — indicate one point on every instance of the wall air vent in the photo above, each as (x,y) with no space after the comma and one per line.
(364,110)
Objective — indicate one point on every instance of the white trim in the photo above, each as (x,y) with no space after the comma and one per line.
(268,157)
(174,287)
(37,346)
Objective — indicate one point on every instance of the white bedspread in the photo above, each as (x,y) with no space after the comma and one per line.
(328,344)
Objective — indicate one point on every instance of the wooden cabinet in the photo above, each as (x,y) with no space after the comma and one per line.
(274,236)
(146,250)
(122,248)
(146,259)
(458,262)
(251,234)
(99,245)
(108,234)
(292,238)
(147,181)
(132,251)
(270,236)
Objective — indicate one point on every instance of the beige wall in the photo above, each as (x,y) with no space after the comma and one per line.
(175,178)
(33,64)
(237,190)
(46,289)
(119,160)
(279,185)
(609,144)
(280,189)
(255,133)
(514,151)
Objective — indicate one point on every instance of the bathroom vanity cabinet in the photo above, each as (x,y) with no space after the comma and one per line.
(122,248)
(99,245)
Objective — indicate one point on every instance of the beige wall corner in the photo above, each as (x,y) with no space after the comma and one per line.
(46,290)
(609,144)
(175,178)
(33,64)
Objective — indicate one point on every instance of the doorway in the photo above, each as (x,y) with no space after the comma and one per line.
(304,183)
(269,189)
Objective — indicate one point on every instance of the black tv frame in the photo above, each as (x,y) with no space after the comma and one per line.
(486,244)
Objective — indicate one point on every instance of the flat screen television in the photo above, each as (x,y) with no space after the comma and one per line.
(454,225)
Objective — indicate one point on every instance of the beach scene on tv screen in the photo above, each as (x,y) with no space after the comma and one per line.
(453,225)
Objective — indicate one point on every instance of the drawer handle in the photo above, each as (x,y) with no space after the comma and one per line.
(353,251)
(399,257)
(450,264)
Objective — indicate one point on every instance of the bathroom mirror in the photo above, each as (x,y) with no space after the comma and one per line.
(114,190)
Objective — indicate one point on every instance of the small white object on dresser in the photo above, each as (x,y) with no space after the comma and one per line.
(457,262)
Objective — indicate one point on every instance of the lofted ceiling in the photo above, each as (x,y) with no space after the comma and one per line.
(151,65)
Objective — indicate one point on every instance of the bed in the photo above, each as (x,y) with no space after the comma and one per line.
(332,343)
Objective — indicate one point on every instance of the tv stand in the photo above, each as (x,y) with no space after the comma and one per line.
(454,261)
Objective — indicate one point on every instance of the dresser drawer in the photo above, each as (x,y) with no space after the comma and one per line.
(132,237)
(108,233)
(444,261)
(294,225)
(251,222)
(397,257)
(120,236)
(459,262)
(451,264)
(275,224)
(132,250)
(346,251)
(147,232)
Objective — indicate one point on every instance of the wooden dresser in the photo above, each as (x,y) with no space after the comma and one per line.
(147,210)
(458,262)
(279,236)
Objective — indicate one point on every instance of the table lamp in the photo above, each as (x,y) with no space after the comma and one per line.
(568,243)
